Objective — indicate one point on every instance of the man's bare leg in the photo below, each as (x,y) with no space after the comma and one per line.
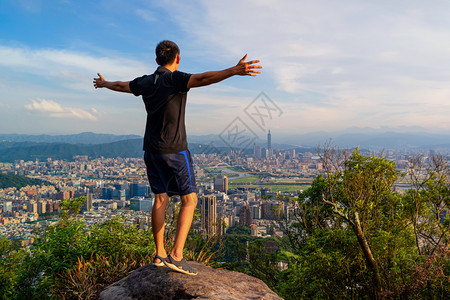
(158,220)
(188,204)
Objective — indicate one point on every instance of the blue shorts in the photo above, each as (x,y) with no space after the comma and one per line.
(171,173)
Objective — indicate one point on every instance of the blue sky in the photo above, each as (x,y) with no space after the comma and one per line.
(328,65)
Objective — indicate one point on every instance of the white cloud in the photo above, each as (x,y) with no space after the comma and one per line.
(56,110)
(68,68)
(328,64)
(380,62)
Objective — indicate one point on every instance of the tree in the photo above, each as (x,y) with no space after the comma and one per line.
(354,205)
(358,186)
(428,202)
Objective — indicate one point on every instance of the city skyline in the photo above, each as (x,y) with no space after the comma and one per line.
(327,65)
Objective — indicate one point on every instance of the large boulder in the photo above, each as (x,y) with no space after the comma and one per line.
(150,282)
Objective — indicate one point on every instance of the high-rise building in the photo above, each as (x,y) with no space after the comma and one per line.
(64,195)
(42,206)
(7,206)
(139,189)
(269,144)
(209,214)
(141,204)
(49,207)
(107,193)
(32,207)
(121,186)
(221,183)
(89,201)
(257,151)
(256,211)
(245,215)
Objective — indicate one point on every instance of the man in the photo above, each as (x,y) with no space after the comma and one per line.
(169,164)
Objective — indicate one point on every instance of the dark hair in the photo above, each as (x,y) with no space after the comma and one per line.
(166,51)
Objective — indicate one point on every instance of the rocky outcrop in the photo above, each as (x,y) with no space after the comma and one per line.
(149,282)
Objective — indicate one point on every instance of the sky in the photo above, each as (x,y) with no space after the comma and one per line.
(327,65)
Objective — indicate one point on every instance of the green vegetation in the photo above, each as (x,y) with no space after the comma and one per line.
(354,238)
(9,152)
(350,237)
(71,260)
(216,171)
(239,229)
(275,187)
(250,182)
(237,169)
(7,181)
(245,179)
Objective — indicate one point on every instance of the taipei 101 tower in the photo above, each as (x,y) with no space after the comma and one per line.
(269,143)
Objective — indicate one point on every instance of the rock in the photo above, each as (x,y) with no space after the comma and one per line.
(150,282)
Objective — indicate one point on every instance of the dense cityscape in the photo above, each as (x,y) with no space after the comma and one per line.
(233,190)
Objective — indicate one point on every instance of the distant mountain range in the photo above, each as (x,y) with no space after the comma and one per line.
(374,139)
(31,147)
(89,138)
(12,151)
(384,138)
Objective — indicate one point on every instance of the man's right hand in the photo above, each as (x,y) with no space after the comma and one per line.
(99,82)
(118,86)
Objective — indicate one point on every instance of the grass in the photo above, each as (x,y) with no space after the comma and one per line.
(245,179)
(237,169)
(281,188)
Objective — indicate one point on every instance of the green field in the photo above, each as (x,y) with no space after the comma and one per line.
(211,169)
(237,169)
(245,179)
(275,188)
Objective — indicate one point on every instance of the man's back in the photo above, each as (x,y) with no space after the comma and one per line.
(164,94)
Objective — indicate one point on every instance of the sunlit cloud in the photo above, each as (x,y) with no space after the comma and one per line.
(56,110)
(68,68)
(328,64)
(375,66)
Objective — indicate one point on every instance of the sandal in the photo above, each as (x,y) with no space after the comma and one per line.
(180,266)
(161,263)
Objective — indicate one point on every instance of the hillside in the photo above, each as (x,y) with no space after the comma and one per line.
(89,138)
(7,181)
(10,151)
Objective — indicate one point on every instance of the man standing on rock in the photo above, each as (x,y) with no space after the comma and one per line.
(168,160)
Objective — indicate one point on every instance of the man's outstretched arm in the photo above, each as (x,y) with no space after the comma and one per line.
(242,68)
(118,86)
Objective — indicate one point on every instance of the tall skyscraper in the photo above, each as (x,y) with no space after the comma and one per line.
(209,214)
(245,215)
(42,207)
(256,211)
(89,201)
(32,207)
(256,151)
(269,144)
(221,183)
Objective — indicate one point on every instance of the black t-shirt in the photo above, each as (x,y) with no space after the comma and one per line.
(164,94)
